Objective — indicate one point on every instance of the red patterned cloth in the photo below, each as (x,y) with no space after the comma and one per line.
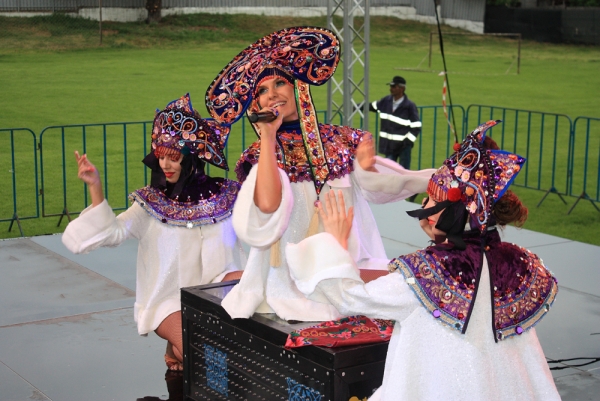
(352,330)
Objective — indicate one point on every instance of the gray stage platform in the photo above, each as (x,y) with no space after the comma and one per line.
(67,330)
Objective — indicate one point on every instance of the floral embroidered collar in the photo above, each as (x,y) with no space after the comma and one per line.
(217,207)
(446,280)
(339,149)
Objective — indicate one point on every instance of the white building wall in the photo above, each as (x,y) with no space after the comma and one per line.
(118,14)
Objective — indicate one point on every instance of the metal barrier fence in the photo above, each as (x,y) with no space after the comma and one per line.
(563,157)
(434,144)
(585,146)
(544,139)
(112,147)
(20,148)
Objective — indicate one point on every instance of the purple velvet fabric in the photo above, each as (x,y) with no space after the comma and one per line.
(446,279)
(503,260)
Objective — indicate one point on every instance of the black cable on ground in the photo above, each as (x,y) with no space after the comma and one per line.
(591,360)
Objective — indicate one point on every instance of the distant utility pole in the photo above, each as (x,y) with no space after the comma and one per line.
(354,87)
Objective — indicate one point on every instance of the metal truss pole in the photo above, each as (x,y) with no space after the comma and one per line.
(349,98)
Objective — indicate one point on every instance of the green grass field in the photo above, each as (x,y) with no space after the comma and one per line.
(54,73)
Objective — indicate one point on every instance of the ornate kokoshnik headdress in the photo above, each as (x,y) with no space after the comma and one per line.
(179,129)
(308,55)
(469,183)
(195,199)
(446,281)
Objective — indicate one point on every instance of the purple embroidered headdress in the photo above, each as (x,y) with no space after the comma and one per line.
(306,55)
(195,199)
(446,277)
(179,129)
(471,181)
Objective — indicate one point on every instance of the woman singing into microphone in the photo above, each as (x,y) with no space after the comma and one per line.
(296,161)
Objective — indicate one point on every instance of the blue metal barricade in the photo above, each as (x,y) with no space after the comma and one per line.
(543,138)
(20,198)
(435,142)
(585,161)
(563,156)
(112,147)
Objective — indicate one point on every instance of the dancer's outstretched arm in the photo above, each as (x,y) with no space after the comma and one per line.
(88,173)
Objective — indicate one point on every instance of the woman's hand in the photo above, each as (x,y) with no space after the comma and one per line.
(335,219)
(365,153)
(88,173)
(268,130)
(267,193)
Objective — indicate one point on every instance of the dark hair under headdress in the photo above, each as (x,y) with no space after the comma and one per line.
(179,130)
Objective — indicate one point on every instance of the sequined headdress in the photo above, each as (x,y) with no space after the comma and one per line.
(179,129)
(307,55)
(471,180)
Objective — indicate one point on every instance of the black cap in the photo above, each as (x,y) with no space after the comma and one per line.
(398,81)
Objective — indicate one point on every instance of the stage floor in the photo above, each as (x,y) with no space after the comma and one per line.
(67,330)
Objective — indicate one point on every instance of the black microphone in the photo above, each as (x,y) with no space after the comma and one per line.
(264,116)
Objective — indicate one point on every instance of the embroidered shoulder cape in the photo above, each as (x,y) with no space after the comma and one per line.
(446,281)
(339,143)
(211,210)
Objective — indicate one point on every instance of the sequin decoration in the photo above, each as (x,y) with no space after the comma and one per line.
(312,139)
(517,307)
(482,175)
(430,284)
(188,214)
(518,311)
(306,53)
(339,151)
(178,127)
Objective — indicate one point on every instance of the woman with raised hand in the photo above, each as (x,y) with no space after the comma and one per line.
(465,306)
(295,162)
(182,221)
